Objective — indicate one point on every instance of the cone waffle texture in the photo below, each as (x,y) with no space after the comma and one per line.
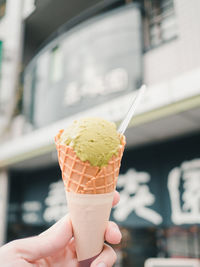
(83,178)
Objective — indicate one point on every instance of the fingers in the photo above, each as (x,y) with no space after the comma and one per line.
(116,198)
(106,259)
(46,244)
(71,245)
(113,234)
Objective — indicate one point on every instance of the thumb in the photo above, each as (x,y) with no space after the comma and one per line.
(49,242)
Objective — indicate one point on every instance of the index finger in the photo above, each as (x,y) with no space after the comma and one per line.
(49,242)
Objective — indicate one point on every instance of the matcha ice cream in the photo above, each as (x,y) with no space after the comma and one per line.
(93,139)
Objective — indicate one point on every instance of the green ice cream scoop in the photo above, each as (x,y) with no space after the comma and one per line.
(93,139)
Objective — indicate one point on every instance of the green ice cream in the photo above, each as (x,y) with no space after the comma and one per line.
(93,139)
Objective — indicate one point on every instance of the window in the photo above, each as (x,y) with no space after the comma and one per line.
(1,91)
(56,64)
(159,22)
(1,45)
(2,8)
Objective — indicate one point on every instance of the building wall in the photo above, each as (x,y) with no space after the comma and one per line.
(3,204)
(10,35)
(181,54)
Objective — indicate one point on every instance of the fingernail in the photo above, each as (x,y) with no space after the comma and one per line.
(117,231)
(101,264)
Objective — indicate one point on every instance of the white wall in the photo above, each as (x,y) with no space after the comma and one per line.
(179,55)
(10,34)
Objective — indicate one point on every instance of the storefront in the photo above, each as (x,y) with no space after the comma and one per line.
(95,69)
(159,208)
(159,212)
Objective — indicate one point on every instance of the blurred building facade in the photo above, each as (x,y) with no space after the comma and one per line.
(62,61)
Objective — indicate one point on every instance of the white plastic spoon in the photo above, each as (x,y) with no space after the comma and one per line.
(131,112)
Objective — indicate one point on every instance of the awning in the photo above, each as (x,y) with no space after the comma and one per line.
(168,110)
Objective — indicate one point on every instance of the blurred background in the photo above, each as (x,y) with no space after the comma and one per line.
(61,60)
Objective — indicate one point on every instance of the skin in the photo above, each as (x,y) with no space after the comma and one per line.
(55,247)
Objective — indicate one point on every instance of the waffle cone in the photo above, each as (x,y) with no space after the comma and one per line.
(83,178)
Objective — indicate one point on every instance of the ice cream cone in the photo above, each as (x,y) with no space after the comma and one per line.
(89,191)
(81,177)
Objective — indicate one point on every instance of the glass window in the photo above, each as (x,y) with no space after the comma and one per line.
(140,244)
(159,22)
(56,64)
(2,8)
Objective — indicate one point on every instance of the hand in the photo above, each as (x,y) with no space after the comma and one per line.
(55,247)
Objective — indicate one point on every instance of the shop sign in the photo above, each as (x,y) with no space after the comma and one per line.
(55,202)
(138,200)
(185,205)
(114,81)
(136,196)
(140,203)
(183,189)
